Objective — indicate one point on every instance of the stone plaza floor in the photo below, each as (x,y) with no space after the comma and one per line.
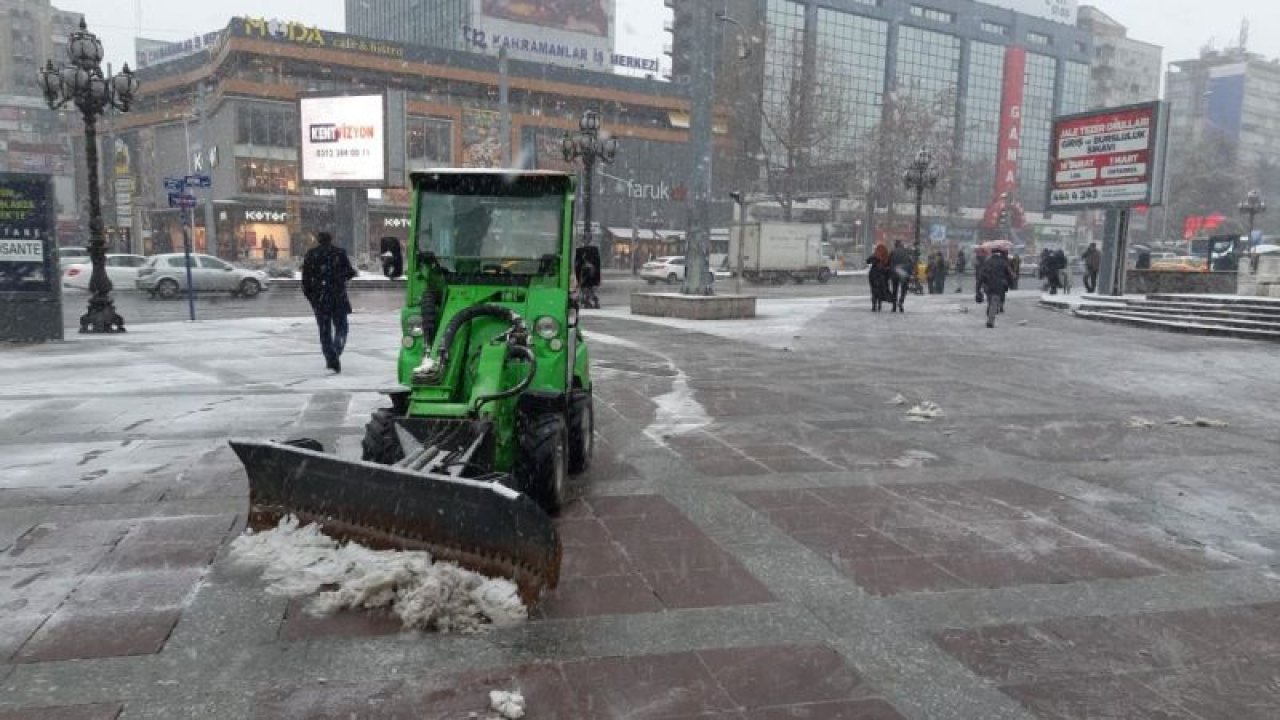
(765,532)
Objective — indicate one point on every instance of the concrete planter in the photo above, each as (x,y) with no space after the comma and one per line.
(694,307)
(1148,282)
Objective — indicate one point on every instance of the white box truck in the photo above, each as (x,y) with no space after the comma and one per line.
(775,252)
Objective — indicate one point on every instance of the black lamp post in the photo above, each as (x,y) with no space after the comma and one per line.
(1253,206)
(920,176)
(81,82)
(588,147)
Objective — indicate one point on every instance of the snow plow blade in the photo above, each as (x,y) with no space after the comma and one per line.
(479,524)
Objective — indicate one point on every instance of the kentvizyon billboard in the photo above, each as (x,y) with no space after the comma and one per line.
(1108,158)
(346,140)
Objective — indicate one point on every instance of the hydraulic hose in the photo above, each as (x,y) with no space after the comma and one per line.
(525,352)
(467,315)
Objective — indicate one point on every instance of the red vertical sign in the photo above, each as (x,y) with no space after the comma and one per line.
(1010,140)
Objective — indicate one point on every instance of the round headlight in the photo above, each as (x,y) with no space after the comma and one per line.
(414,326)
(546,327)
(407,342)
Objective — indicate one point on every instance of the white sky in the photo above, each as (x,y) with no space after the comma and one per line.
(1181,26)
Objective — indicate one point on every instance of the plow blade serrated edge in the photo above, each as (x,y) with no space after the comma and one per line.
(482,526)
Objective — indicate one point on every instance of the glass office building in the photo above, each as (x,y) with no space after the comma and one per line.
(945,55)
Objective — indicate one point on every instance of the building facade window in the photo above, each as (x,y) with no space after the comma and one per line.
(266,177)
(430,142)
(1075,88)
(851,51)
(997,28)
(267,125)
(933,14)
(1036,38)
(982,122)
(1037,118)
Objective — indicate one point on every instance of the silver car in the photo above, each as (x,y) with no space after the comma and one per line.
(165,276)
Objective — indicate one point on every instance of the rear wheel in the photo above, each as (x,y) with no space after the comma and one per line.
(380,443)
(824,275)
(672,279)
(167,289)
(542,463)
(582,428)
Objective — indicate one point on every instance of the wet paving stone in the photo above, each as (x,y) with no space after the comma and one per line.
(892,576)
(607,595)
(97,711)
(301,625)
(647,686)
(1106,697)
(72,634)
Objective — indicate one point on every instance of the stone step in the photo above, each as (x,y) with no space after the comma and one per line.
(1204,318)
(1223,312)
(1194,328)
(1264,303)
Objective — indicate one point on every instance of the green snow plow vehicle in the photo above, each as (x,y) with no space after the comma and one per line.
(494,407)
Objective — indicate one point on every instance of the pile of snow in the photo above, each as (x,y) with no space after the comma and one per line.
(508,705)
(898,399)
(1141,423)
(301,561)
(924,412)
(1180,421)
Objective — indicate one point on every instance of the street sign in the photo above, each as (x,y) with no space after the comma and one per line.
(173,184)
(200,181)
(182,200)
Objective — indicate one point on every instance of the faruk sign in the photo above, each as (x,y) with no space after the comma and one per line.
(1108,158)
(1063,11)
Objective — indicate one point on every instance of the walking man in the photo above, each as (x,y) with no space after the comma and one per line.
(961,264)
(325,272)
(994,280)
(1092,264)
(904,268)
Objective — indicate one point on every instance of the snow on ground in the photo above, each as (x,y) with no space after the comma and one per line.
(898,399)
(299,561)
(678,411)
(508,705)
(1141,423)
(1180,421)
(924,412)
(777,324)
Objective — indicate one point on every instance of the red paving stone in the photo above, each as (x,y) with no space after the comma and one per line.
(771,499)
(649,686)
(101,711)
(840,710)
(1244,690)
(126,591)
(79,634)
(609,595)
(771,676)
(892,576)
(729,584)
(1096,698)
(595,560)
(130,555)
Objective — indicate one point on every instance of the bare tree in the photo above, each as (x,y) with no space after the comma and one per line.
(803,125)
(911,120)
(1204,180)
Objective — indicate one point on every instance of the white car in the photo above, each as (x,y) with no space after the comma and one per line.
(165,276)
(122,270)
(668,269)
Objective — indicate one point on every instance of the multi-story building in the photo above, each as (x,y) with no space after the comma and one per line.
(573,33)
(850,79)
(1124,71)
(33,138)
(1233,94)
(245,87)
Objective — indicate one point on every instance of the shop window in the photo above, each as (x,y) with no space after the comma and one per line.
(267,177)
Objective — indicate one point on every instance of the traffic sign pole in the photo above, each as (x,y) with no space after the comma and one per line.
(178,198)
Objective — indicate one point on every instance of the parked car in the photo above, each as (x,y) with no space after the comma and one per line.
(72,254)
(165,276)
(122,270)
(668,269)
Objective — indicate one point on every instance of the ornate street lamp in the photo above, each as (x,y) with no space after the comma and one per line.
(588,147)
(81,82)
(920,176)
(1253,206)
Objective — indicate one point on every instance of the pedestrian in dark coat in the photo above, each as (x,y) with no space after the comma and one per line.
(962,264)
(994,280)
(1015,264)
(878,273)
(904,267)
(1092,264)
(325,272)
(1057,262)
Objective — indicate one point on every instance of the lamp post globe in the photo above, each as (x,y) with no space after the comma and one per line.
(81,83)
(591,149)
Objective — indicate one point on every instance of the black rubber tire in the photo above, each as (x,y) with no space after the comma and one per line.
(249,288)
(542,462)
(672,279)
(168,289)
(380,444)
(824,276)
(582,428)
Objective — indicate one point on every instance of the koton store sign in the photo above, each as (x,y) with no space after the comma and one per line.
(1107,158)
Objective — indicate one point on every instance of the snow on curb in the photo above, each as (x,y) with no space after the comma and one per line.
(508,705)
(426,595)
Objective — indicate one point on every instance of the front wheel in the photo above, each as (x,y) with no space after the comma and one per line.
(582,429)
(824,276)
(672,279)
(542,464)
(380,444)
(249,288)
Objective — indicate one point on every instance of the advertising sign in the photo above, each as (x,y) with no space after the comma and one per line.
(345,141)
(26,234)
(1063,11)
(1010,139)
(576,33)
(1107,158)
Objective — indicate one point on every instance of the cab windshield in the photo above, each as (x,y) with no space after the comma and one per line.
(492,234)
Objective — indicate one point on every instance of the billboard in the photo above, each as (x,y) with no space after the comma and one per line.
(1063,11)
(1009,143)
(345,140)
(574,33)
(1108,158)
